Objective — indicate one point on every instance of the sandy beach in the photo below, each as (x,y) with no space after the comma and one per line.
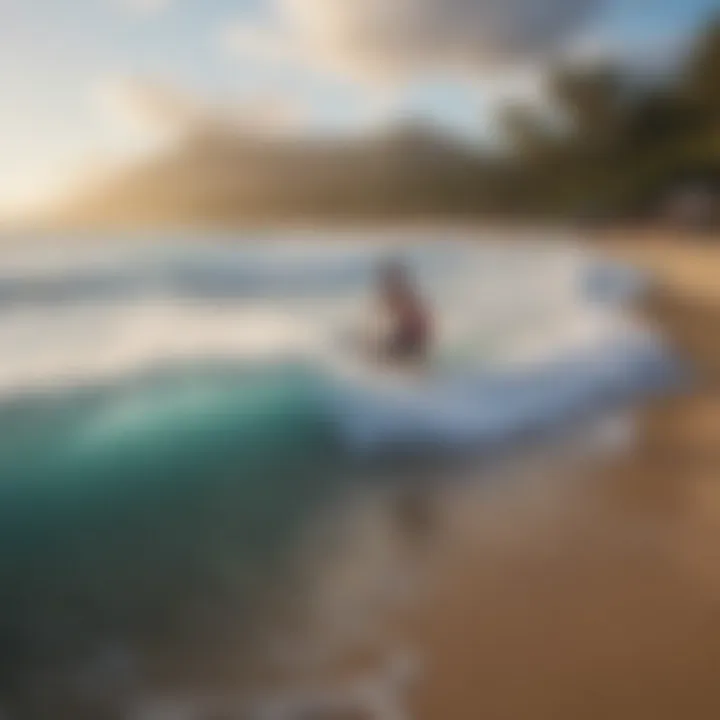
(597,595)
(571,577)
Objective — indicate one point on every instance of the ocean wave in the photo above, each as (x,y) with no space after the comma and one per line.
(188,361)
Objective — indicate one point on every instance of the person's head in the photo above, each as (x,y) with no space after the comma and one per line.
(394,280)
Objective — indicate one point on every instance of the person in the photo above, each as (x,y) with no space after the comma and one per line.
(408,332)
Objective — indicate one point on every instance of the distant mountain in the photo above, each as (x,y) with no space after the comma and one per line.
(224,179)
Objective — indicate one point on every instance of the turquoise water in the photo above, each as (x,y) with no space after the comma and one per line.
(151,510)
(173,422)
(170,425)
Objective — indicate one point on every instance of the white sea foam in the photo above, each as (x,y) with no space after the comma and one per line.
(526,331)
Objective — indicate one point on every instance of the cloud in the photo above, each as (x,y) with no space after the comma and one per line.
(150,110)
(148,7)
(654,55)
(255,42)
(398,39)
(158,113)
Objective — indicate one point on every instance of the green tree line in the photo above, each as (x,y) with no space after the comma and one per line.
(617,145)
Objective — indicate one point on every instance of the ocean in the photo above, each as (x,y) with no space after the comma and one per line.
(187,434)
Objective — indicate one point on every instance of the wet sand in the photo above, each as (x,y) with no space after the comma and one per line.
(558,585)
(596,595)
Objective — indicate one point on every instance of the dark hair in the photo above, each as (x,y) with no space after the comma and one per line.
(392,269)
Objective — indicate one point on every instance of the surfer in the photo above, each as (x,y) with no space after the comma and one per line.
(406,319)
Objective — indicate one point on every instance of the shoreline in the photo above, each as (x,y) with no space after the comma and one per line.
(597,596)
(559,585)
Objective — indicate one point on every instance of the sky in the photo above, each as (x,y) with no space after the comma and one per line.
(87,84)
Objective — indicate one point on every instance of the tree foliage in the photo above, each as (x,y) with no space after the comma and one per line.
(622,144)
